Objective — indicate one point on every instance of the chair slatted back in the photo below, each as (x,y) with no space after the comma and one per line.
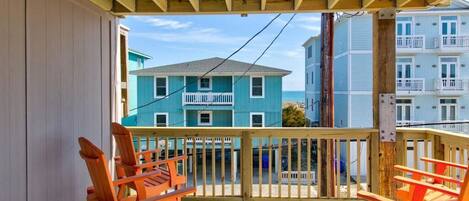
(125,145)
(97,167)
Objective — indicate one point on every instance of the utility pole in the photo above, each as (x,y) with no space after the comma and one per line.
(326,108)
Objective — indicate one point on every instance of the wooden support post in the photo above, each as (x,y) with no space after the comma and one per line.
(383,145)
(246,166)
(326,108)
(438,149)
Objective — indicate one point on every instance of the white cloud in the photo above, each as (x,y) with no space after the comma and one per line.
(204,35)
(309,19)
(165,23)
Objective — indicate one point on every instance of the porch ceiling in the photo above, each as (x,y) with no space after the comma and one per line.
(164,7)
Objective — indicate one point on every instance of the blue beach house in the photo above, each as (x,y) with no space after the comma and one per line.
(235,94)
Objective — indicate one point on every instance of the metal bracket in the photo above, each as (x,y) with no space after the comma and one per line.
(387,13)
(387,117)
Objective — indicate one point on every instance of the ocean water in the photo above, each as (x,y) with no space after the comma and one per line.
(293,96)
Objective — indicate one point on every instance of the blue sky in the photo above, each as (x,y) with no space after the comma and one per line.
(174,39)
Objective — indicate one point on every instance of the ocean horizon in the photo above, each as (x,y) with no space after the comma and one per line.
(293,96)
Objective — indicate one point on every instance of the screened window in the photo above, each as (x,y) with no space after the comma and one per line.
(161,120)
(205,118)
(205,83)
(310,51)
(257,87)
(257,119)
(161,87)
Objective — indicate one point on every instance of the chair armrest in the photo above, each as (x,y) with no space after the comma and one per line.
(435,161)
(135,178)
(427,174)
(160,162)
(443,190)
(371,196)
(148,152)
(172,195)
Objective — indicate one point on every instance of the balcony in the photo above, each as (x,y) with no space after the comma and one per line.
(248,170)
(455,43)
(410,84)
(410,43)
(450,86)
(209,98)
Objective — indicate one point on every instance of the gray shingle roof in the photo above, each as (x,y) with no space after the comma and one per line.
(199,67)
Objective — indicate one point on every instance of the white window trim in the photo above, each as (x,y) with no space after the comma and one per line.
(412,108)
(204,89)
(210,119)
(154,86)
(161,113)
(458,18)
(256,113)
(263,86)
(412,65)
(457,65)
(456,115)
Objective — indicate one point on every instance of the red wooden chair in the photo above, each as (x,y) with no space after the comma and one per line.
(128,164)
(103,186)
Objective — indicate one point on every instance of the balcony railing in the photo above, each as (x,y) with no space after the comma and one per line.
(461,41)
(410,42)
(410,84)
(451,84)
(209,98)
(279,163)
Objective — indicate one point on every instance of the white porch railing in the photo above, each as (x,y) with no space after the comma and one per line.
(303,177)
(452,84)
(410,84)
(218,140)
(209,98)
(461,41)
(410,42)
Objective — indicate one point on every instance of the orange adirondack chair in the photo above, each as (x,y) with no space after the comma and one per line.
(128,165)
(407,192)
(419,190)
(103,186)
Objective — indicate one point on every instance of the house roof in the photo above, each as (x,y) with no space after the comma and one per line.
(200,67)
(146,56)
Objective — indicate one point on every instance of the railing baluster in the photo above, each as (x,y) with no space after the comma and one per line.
(319,166)
(289,167)
(260,165)
(184,164)
(348,168)
(194,163)
(232,166)
(338,167)
(279,171)
(298,166)
(147,139)
(223,166)
(166,148)
(368,154)
(359,153)
(308,166)
(213,167)
(139,144)
(405,151)
(425,154)
(416,151)
(453,169)
(328,166)
(204,168)
(270,166)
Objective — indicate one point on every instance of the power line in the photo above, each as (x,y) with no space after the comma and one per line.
(206,73)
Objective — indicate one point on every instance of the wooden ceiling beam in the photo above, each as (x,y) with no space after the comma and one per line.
(263,3)
(128,4)
(103,4)
(163,4)
(195,4)
(297,4)
(438,2)
(411,3)
(377,4)
(332,3)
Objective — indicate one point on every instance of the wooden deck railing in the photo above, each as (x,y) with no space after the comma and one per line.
(253,166)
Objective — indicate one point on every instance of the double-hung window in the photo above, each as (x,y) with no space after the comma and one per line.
(161,119)
(403,111)
(205,118)
(257,87)
(205,83)
(161,87)
(448,109)
(257,119)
